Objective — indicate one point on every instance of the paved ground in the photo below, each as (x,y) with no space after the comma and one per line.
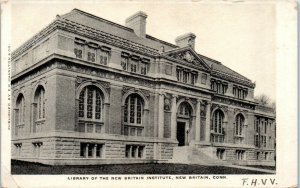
(19,167)
(266,169)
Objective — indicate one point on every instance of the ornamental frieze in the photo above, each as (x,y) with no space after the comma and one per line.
(237,110)
(105,74)
(79,80)
(233,103)
(125,89)
(218,106)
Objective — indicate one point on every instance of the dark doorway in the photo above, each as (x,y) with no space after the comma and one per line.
(181,133)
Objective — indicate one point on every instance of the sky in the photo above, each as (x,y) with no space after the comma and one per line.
(240,35)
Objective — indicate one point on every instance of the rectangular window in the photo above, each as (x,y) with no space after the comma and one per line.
(184,80)
(266,155)
(104,55)
(91,56)
(127,151)
(194,77)
(86,127)
(99,150)
(178,74)
(126,130)
(98,128)
(91,150)
(234,91)
(140,151)
(134,151)
(257,155)
(132,131)
(18,148)
(81,127)
(139,132)
(37,148)
(78,50)
(256,137)
(133,67)
(220,154)
(90,127)
(124,62)
(143,68)
(240,154)
(203,78)
(266,127)
(82,149)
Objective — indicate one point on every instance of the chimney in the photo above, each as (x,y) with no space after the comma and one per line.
(186,40)
(137,22)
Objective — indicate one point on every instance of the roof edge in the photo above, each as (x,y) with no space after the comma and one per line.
(102,19)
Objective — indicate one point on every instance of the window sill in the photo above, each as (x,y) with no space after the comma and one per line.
(239,136)
(91,121)
(133,125)
(220,134)
(40,120)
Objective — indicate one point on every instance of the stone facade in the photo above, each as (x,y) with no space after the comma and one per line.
(89,91)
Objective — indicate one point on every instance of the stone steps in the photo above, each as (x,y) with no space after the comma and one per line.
(193,155)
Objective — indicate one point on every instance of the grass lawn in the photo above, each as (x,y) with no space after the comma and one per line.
(20,167)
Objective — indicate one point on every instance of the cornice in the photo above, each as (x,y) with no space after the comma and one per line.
(231,78)
(73,27)
(34,40)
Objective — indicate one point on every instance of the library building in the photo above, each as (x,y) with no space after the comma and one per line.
(90,91)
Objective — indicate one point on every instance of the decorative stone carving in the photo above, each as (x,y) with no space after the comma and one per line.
(167,104)
(189,57)
(186,56)
(202,110)
(218,106)
(233,102)
(125,89)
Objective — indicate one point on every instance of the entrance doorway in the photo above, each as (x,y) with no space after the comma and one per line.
(181,133)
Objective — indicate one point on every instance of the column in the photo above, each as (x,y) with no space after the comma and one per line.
(197,124)
(207,122)
(173,117)
(86,151)
(161,115)
(106,109)
(95,151)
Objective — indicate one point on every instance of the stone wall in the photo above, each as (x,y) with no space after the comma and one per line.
(166,150)
(69,148)
(47,149)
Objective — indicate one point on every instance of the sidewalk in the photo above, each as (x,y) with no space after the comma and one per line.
(251,168)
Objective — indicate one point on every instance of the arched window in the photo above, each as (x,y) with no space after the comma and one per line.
(239,125)
(39,114)
(133,113)
(217,134)
(90,109)
(217,122)
(20,115)
(40,97)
